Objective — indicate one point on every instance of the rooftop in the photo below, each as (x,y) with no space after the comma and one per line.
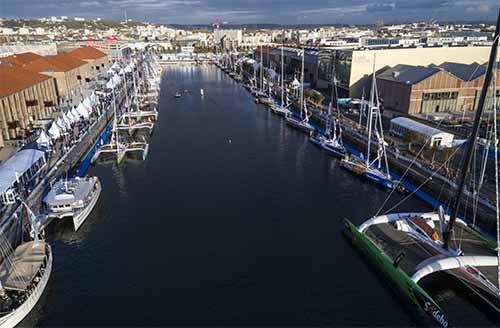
(86,52)
(18,79)
(463,71)
(65,62)
(417,126)
(21,58)
(408,74)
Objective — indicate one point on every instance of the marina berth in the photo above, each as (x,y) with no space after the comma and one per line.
(75,198)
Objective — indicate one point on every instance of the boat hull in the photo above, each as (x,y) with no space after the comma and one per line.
(15,317)
(334,151)
(80,218)
(380,180)
(299,125)
(418,298)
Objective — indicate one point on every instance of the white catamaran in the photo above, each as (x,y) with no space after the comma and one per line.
(75,198)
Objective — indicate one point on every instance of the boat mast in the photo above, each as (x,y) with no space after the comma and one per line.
(127,104)
(370,114)
(361,108)
(302,83)
(471,144)
(495,148)
(379,116)
(282,74)
(114,120)
(261,71)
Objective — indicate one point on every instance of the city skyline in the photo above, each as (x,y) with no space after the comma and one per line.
(259,11)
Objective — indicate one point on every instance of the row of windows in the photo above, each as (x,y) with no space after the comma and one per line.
(440,95)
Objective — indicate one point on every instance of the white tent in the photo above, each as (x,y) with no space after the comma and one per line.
(54,131)
(110,84)
(113,82)
(71,117)
(43,140)
(130,67)
(88,104)
(82,111)
(94,99)
(75,114)
(295,84)
(67,121)
(61,124)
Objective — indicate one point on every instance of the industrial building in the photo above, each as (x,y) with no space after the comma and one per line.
(27,97)
(72,70)
(447,88)
(97,60)
(354,67)
(413,131)
(68,71)
(33,86)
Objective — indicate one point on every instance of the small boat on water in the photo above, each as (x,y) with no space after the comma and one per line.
(24,273)
(202,92)
(332,140)
(177,95)
(74,198)
(331,145)
(372,173)
(302,125)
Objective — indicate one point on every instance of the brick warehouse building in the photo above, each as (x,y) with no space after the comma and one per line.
(449,87)
(24,97)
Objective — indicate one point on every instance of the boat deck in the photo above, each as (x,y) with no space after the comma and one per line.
(393,242)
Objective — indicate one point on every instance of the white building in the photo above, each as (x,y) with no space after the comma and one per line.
(236,36)
(416,131)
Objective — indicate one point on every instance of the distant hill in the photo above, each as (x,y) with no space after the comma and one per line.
(69,23)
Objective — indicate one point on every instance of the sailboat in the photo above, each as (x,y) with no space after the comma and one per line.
(332,140)
(129,121)
(263,96)
(24,272)
(118,147)
(363,166)
(438,242)
(302,123)
(281,110)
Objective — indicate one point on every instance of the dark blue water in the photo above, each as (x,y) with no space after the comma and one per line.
(234,219)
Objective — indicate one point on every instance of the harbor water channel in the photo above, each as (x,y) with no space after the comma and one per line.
(233,219)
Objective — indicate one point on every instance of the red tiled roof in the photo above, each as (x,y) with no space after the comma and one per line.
(22,58)
(14,79)
(87,52)
(42,65)
(65,61)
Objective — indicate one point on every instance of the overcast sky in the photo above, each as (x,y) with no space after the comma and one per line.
(258,11)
